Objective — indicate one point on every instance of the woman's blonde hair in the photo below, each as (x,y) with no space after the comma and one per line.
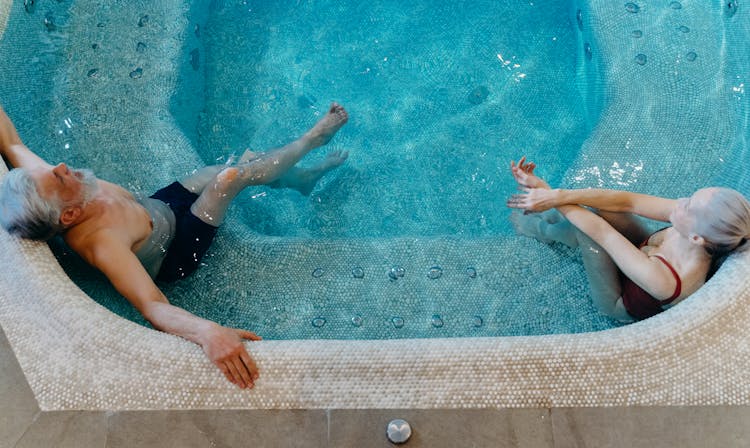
(725,225)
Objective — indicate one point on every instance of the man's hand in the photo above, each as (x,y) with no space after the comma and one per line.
(225,349)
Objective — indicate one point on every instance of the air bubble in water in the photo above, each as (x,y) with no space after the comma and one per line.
(318,322)
(632,7)
(435,272)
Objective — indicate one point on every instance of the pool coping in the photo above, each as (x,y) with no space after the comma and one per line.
(78,355)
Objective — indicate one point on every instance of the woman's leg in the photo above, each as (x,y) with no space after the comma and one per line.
(548,226)
(213,202)
(604,278)
(628,224)
(602,273)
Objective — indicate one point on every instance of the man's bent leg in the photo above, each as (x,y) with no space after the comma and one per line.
(212,204)
(196,181)
(305,179)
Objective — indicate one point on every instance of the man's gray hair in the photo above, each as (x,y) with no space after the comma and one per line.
(23,212)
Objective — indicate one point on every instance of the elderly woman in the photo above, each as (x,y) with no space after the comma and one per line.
(634,275)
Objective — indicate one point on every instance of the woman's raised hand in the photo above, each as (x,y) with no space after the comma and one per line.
(537,195)
(524,175)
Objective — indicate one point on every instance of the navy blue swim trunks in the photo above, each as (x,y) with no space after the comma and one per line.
(192,236)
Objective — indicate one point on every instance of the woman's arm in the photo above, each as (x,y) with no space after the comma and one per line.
(648,206)
(647,272)
(538,196)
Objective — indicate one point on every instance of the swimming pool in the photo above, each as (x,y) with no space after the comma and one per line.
(647,86)
(440,102)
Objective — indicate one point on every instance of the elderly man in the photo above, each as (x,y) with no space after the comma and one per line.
(134,241)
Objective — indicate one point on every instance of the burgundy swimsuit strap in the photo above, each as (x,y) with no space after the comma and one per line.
(678,288)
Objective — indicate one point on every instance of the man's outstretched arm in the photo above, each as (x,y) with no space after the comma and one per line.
(222,345)
(13,149)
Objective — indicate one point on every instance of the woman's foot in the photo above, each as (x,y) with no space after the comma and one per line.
(326,127)
(536,225)
(528,224)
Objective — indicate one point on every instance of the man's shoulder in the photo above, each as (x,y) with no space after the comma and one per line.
(91,243)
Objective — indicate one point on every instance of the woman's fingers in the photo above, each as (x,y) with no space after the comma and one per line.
(516,201)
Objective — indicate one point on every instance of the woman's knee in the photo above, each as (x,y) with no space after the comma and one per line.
(628,224)
(613,308)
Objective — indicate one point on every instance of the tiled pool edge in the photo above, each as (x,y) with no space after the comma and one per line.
(77,355)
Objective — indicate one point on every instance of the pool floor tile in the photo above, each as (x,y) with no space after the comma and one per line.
(18,406)
(652,427)
(187,429)
(66,429)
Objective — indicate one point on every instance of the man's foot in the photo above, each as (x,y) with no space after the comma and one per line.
(247,156)
(307,178)
(326,127)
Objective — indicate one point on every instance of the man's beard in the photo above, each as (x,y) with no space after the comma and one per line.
(89,183)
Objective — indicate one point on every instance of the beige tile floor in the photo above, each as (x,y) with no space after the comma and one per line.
(23,425)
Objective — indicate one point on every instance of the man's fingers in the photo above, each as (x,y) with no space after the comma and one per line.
(244,334)
(225,370)
(236,377)
(242,370)
(250,365)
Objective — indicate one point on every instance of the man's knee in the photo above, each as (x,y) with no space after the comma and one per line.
(227,180)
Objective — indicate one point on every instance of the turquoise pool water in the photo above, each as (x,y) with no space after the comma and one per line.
(441,99)
(410,238)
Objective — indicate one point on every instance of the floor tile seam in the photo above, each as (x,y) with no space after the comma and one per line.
(328,427)
(556,429)
(28,427)
(107,426)
(551,425)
